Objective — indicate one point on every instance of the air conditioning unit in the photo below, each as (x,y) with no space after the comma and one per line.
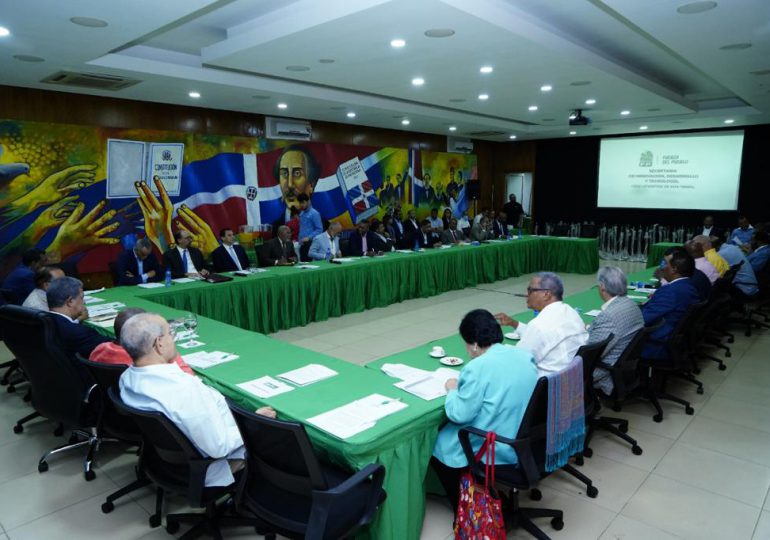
(282,128)
(459,146)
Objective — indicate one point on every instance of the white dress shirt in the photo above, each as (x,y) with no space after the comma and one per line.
(553,337)
(233,255)
(185,254)
(199,411)
(36,300)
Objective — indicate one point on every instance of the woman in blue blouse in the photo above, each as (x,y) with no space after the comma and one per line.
(491,394)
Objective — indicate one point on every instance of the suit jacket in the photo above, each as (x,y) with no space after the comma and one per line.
(701,283)
(622,318)
(320,247)
(478,234)
(127,263)
(173,260)
(274,250)
(355,243)
(224,263)
(446,236)
(423,241)
(383,244)
(410,227)
(670,302)
(76,337)
(499,228)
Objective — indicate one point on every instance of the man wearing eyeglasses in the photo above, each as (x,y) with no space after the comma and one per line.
(557,332)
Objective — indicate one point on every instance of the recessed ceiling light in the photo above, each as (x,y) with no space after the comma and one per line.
(418,81)
(405,121)
(625,113)
(532,108)
(580,83)
(326,61)
(457,100)
(397,43)
(642,127)
(439,32)
(729,121)
(695,7)
(194,95)
(4,31)
(28,58)
(452,128)
(546,88)
(90,22)
(282,106)
(511,137)
(573,132)
(590,102)
(486,69)
(297,68)
(735,47)
(482,97)
(351,114)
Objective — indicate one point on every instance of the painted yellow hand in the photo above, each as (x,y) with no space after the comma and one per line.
(157,214)
(203,237)
(57,185)
(79,233)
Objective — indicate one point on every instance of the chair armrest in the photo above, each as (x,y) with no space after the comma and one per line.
(522,447)
(198,468)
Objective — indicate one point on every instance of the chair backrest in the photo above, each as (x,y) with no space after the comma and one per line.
(591,353)
(111,422)
(624,373)
(533,427)
(279,453)
(679,341)
(58,388)
(262,254)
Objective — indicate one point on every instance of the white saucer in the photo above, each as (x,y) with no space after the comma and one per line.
(513,335)
(451,361)
(436,355)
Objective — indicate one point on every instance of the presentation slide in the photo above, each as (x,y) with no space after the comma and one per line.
(695,171)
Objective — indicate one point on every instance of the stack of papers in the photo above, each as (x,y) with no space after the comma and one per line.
(308,375)
(204,359)
(307,266)
(593,312)
(265,387)
(92,299)
(93,291)
(358,416)
(404,372)
(431,386)
(345,259)
(184,280)
(150,285)
(407,250)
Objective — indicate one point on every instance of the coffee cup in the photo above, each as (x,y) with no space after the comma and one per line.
(438,350)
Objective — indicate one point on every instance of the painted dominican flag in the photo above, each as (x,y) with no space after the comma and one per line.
(417,193)
(359,192)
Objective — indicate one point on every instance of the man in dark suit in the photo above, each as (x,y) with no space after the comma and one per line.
(278,251)
(424,237)
(229,256)
(183,259)
(670,302)
(453,235)
(500,225)
(411,225)
(363,241)
(65,301)
(138,265)
(709,229)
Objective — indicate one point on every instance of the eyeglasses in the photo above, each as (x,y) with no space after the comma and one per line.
(530,290)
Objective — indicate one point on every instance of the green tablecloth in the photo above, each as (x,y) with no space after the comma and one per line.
(656,252)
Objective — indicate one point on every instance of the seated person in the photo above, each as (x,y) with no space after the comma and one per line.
(65,301)
(278,251)
(43,278)
(110,352)
(383,242)
(453,234)
(446,218)
(326,245)
(423,238)
(184,260)
(155,383)
(745,280)
(701,263)
(394,229)
(362,241)
(138,265)
(410,224)
(708,228)
(229,257)
(491,393)
(436,223)
(480,231)
(500,225)
(557,331)
(711,254)
(761,254)
(741,235)
(620,317)
(21,280)
(670,302)
(698,279)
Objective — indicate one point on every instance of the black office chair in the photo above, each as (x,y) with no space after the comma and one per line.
(295,495)
(261,251)
(13,374)
(590,354)
(529,445)
(59,392)
(173,464)
(113,424)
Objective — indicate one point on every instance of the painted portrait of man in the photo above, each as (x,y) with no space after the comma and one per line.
(297,173)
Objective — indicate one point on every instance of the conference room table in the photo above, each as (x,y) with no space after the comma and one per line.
(657,251)
(403,441)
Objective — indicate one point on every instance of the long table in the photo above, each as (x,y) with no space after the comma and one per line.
(657,251)
(402,442)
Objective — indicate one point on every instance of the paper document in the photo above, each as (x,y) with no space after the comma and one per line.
(430,387)
(357,416)
(647,290)
(106,307)
(308,375)
(151,285)
(307,266)
(446,246)
(593,312)
(92,299)
(406,250)
(404,372)
(190,344)
(265,387)
(104,323)
(93,291)
(637,297)
(103,317)
(184,280)
(345,259)
(204,359)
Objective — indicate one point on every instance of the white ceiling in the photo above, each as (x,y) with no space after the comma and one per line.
(667,68)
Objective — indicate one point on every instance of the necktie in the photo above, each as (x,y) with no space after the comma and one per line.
(364,244)
(184,260)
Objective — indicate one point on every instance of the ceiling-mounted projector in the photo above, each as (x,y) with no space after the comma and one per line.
(576,118)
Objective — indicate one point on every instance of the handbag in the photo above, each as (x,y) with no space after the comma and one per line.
(479,512)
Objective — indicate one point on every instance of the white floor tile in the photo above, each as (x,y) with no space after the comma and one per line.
(731,439)
(762,531)
(750,415)
(624,528)
(653,447)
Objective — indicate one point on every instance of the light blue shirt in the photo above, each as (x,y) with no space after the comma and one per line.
(743,236)
(759,257)
(323,246)
(745,280)
(492,393)
(309,223)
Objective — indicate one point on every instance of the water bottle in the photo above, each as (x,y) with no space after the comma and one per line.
(328,254)
(519,233)
(416,245)
(167,281)
(535,313)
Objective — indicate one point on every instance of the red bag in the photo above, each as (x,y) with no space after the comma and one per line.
(479,512)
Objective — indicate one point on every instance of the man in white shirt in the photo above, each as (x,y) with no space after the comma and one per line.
(327,244)
(156,383)
(557,331)
(436,224)
(43,277)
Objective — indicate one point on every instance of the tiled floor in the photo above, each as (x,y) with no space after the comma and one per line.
(702,476)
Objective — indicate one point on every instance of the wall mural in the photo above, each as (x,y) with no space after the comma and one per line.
(77,191)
